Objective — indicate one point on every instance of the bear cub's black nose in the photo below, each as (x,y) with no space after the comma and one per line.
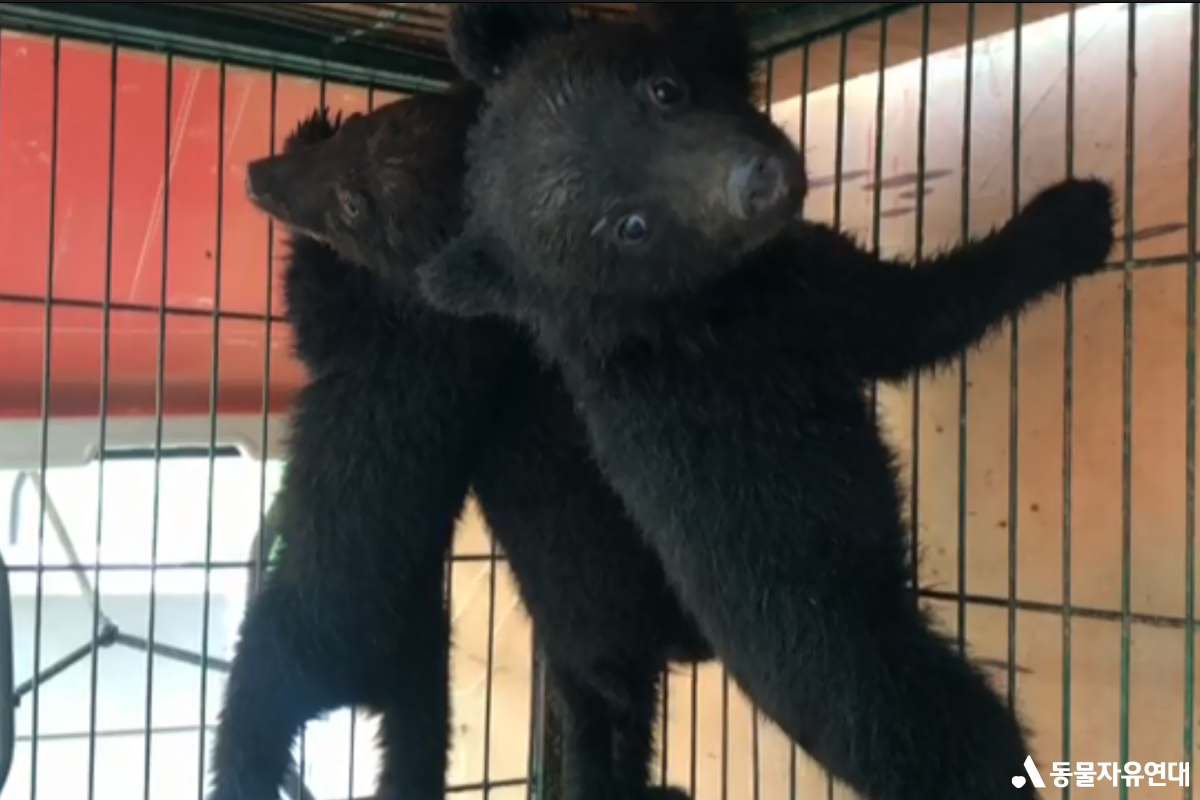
(756,187)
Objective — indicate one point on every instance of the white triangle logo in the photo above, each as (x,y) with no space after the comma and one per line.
(1032,771)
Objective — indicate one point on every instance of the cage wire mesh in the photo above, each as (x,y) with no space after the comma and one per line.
(147,372)
(417,25)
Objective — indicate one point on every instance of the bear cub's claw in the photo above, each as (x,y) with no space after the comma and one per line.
(1071,223)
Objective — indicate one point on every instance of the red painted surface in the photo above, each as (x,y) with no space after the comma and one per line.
(186,199)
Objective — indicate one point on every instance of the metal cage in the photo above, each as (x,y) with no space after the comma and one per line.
(145,375)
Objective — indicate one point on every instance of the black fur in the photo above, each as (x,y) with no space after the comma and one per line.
(512,26)
(710,27)
(353,613)
(722,367)
(598,597)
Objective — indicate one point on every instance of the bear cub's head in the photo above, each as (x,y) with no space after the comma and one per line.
(623,161)
(381,189)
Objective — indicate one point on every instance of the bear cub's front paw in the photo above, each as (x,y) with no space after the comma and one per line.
(1072,224)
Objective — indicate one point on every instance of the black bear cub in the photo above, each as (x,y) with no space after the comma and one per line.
(381,191)
(634,211)
(383,445)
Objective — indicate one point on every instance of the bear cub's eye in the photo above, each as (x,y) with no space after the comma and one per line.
(633,229)
(667,92)
(351,207)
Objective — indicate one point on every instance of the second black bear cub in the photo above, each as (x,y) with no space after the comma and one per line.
(353,612)
(638,215)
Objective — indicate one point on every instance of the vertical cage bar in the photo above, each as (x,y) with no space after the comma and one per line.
(302,761)
(877,187)
(105,353)
(805,80)
(839,144)
(213,401)
(260,567)
(535,789)
(1014,399)
(2,37)
(538,730)
(8,699)
(694,776)
(8,722)
(839,160)
(755,778)
(1068,414)
(44,454)
(267,530)
(919,236)
(1127,390)
(880,125)
(756,716)
(159,416)
(493,562)
(664,764)
(354,710)
(724,734)
(804,88)
(1189,634)
(964,362)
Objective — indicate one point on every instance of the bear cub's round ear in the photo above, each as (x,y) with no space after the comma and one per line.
(486,40)
(719,29)
(711,23)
